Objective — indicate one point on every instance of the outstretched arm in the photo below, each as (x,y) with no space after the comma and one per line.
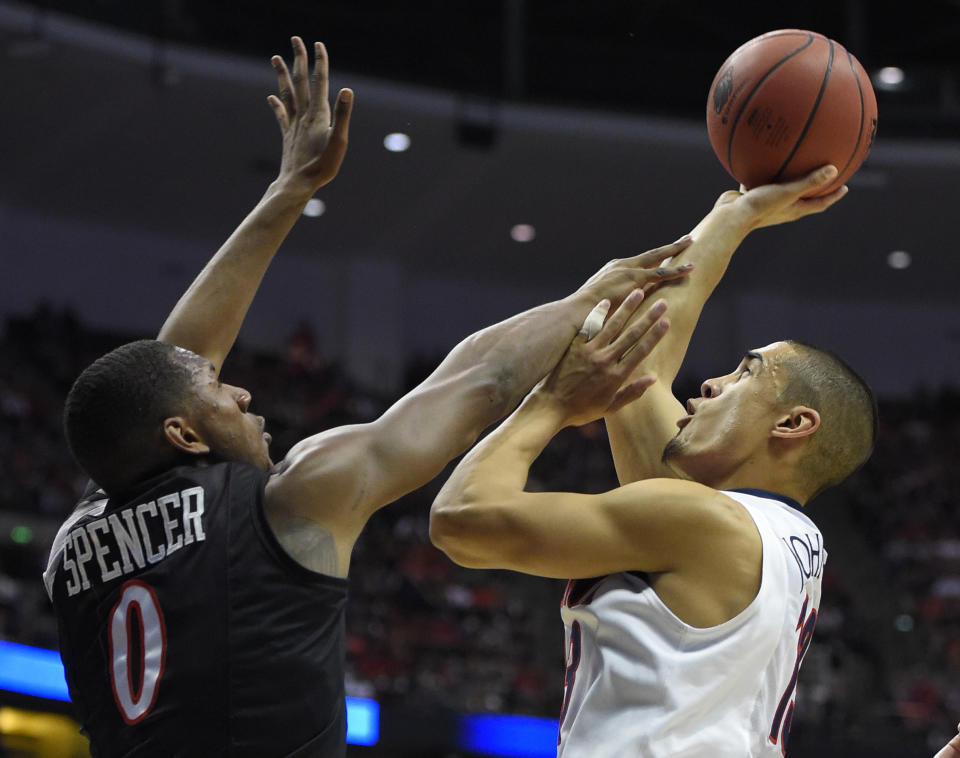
(483,518)
(639,432)
(208,316)
(338,478)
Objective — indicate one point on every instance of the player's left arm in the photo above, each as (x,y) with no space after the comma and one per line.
(483,518)
(208,317)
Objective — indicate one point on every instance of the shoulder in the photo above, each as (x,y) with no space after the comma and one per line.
(688,500)
(706,517)
(699,523)
(325,477)
(708,549)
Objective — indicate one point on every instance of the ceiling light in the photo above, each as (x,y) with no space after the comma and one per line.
(889,78)
(899,259)
(523,233)
(314,207)
(396,142)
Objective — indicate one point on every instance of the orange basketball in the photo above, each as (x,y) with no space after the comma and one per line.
(788,102)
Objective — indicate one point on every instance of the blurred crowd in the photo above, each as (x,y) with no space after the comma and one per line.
(886,654)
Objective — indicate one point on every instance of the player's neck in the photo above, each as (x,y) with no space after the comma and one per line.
(762,475)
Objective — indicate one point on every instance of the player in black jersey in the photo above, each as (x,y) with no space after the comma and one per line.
(199,588)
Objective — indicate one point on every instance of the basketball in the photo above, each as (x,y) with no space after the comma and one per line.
(788,102)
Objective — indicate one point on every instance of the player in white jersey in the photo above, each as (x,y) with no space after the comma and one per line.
(698,580)
(728,686)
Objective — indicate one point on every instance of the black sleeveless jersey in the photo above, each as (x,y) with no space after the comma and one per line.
(187,630)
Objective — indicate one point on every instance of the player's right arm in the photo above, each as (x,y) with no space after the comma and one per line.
(329,485)
(639,432)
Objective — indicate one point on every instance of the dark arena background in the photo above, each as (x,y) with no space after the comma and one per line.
(500,152)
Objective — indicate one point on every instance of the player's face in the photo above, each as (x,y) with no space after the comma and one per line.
(728,427)
(220,413)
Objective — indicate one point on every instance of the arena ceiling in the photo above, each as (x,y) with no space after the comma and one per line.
(584,119)
(640,56)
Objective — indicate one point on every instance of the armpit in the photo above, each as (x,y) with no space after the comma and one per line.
(307,542)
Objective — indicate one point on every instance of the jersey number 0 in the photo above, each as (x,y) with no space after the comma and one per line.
(135,689)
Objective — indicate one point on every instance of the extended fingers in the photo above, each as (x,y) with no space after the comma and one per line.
(631,391)
(284,86)
(665,273)
(299,93)
(320,81)
(326,165)
(660,254)
(341,116)
(301,85)
(280,111)
(638,339)
(613,326)
(817,178)
(632,346)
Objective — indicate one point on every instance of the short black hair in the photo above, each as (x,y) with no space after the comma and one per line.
(849,421)
(114,413)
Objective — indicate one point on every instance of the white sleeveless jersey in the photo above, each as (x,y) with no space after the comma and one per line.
(641,683)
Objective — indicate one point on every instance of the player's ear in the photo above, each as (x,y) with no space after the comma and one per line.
(183,437)
(800,421)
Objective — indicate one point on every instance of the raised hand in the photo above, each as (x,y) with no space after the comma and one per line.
(591,380)
(772,204)
(621,276)
(313,144)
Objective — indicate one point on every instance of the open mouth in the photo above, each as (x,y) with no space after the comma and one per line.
(682,422)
